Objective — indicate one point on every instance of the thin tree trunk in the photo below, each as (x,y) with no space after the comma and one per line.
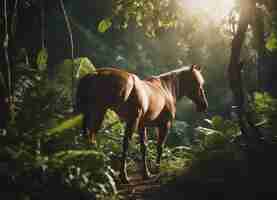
(235,66)
(6,51)
(5,75)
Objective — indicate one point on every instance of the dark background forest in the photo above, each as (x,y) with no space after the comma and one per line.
(46,46)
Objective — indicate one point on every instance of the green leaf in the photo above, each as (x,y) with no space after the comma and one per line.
(42,58)
(85,66)
(272,42)
(88,160)
(217,122)
(67,124)
(111,182)
(207,131)
(104,25)
(210,122)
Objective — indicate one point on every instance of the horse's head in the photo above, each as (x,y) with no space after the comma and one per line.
(195,90)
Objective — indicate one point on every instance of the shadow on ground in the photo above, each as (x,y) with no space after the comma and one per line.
(254,177)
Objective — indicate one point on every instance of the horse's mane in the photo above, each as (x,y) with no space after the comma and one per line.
(197,73)
(173,72)
(171,79)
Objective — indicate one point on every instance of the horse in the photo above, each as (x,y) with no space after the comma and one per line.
(141,103)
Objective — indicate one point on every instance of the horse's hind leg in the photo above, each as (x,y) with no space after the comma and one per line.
(161,138)
(143,146)
(123,169)
(92,123)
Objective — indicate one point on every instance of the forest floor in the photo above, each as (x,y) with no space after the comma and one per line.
(252,177)
(140,189)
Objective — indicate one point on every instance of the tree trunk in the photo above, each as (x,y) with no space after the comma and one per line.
(234,69)
(4,104)
(258,30)
(235,65)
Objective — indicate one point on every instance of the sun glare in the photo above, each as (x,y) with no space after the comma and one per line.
(217,8)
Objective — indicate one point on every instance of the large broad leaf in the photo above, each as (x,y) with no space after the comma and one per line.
(207,131)
(111,182)
(104,25)
(67,124)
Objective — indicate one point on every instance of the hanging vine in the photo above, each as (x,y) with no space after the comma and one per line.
(71,45)
(14,18)
(6,52)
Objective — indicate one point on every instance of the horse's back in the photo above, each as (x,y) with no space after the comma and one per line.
(105,87)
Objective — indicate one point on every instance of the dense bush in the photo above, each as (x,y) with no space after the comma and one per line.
(265,107)
(43,156)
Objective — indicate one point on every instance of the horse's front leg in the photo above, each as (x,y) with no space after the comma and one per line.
(161,138)
(143,146)
(131,126)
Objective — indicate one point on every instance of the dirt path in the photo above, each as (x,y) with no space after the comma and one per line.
(139,189)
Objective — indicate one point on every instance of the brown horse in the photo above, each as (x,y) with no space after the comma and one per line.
(140,103)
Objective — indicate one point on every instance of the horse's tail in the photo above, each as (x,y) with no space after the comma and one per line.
(80,92)
(77,103)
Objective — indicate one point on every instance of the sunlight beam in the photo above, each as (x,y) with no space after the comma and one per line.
(216,8)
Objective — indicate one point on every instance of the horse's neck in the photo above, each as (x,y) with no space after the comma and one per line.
(176,81)
(171,84)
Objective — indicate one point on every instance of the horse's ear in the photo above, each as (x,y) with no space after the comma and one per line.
(194,66)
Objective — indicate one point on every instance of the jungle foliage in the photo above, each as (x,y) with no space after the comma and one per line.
(42,153)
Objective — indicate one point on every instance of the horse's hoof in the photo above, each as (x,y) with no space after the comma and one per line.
(92,142)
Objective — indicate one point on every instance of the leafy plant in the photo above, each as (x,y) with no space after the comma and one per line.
(84,66)
(104,25)
(265,107)
(272,42)
(219,135)
(40,151)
